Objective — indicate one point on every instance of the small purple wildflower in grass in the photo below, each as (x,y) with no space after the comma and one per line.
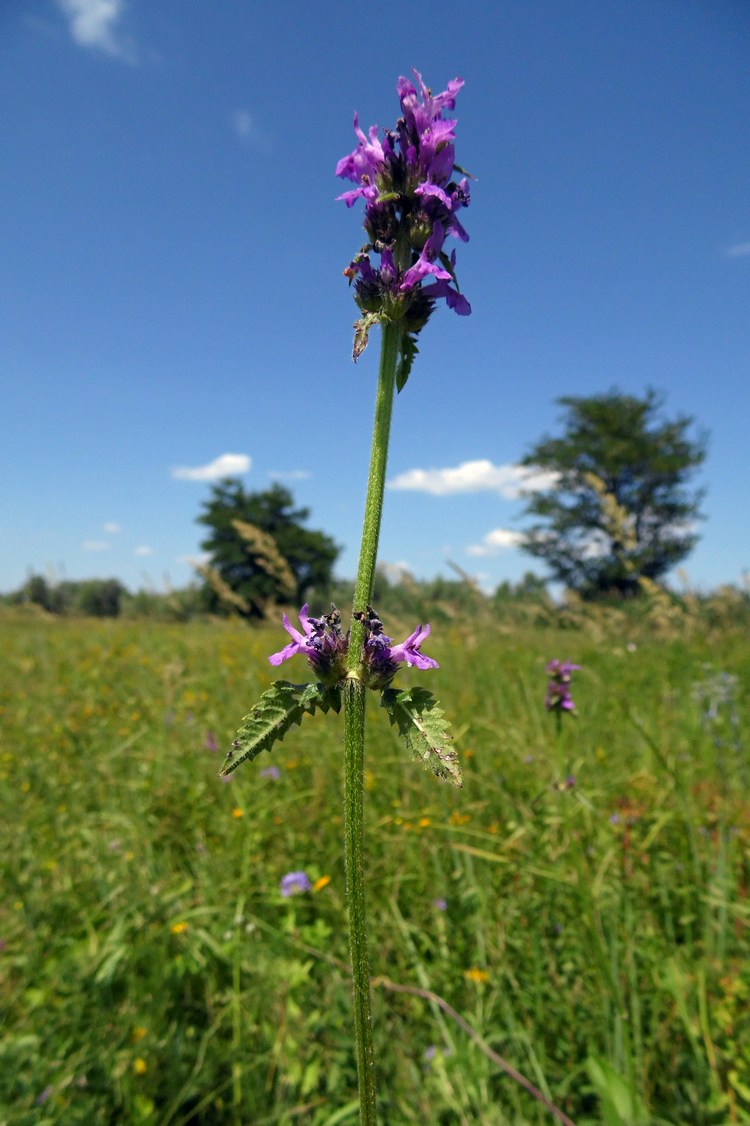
(210,742)
(293,883)
(432,1052)
(271,772)
(42,1097)
(570,781)
(558,696)
(410,200)
(440,904)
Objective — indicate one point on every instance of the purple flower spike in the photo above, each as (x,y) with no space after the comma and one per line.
(558,696)
(294,883)
(411,203)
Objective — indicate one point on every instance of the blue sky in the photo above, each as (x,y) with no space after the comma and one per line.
(171,291)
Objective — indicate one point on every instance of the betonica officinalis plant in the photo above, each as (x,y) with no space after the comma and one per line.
(413,191)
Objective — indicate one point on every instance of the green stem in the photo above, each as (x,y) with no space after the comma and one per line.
(368,552)
(354,746)
(354,728)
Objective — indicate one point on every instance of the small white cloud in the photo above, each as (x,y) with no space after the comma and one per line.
(290,474)
(499,539)
(143,549)
(95,545)
(111,528)
(738,250)
(227,465)
(511,480)
(93,23)
(247,130)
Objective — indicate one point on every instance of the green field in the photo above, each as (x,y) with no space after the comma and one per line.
(595,926)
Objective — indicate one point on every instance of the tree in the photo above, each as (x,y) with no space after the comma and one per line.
(260,553)
(99,598)
(619,510)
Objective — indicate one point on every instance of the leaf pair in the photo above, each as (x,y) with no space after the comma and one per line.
(415,713)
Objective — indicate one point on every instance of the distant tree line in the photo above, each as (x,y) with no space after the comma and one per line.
(616,515)
(106,598)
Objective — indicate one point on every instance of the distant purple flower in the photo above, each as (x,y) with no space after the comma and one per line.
(411,203)
(558,696)
(271,772)
(322,642)
(210,742)
(383,657)
(42,1097)
(440,904)
(293,883)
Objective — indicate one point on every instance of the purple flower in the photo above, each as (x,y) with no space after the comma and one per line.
(411,203)
(440,904)
(322,642)
(409,650)
(271,772)
(293,883)
(210,742)
(382,657)
(42,1097)
(558,696)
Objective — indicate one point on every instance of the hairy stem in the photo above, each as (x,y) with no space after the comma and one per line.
(354,720)
(354,729)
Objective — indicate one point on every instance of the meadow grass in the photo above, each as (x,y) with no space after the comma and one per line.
(582,902)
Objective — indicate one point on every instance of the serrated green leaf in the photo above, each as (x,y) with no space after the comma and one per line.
(421,724)
(362,333)
(409,350)
(278,709)
(330,698)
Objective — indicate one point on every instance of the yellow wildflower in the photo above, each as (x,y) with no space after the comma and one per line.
(424,822)
(138,1033)
(238,812)
(457,818)
(139,1065)
(320,883)
(481,977)
(178,928)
